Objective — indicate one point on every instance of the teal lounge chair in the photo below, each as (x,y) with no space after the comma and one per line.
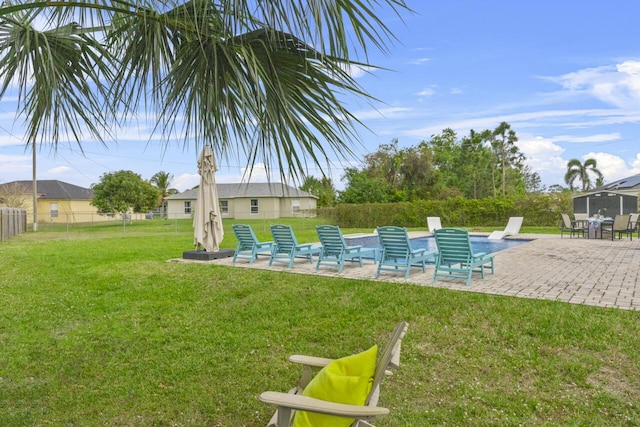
(335,250)
(287,248)
(456,257)
(249,247)
(397,253)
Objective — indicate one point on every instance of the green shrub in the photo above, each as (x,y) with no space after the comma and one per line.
(537,210)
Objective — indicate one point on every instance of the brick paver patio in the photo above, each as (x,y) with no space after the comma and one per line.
(575,270)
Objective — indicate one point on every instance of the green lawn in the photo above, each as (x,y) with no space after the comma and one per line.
(98,329)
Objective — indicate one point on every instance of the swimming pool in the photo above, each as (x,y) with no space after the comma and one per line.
(478,243)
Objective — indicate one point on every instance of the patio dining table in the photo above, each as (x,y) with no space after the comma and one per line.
(596,225)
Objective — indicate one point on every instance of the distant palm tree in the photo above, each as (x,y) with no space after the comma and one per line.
(162,181)
(578,170)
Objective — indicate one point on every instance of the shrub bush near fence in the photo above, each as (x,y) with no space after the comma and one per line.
(537,210)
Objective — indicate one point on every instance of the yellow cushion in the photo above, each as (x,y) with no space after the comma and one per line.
(347,380)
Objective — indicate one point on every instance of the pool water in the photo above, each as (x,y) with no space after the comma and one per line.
(478,243)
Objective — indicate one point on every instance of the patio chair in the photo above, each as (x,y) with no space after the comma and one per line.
(456,257)
(433,222)
(581,217)
(573,227)
(287,248)
(335,250)
(512,228)
(300,398)
(620,225)
(249,247)
(633,223)
(397,253)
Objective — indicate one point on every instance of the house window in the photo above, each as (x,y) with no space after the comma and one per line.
(295,205)
(54,210)
(254,206)
(187,206)
(224,207)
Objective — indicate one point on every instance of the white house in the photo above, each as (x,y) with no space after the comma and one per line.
(248,201)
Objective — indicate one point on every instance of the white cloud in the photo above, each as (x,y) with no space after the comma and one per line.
(602,137)
(419,61)
(382,113)
(617,85)
(357,71)
(60,170)
(426,92)
(612,167)
(636,164)
(455,91)
(186,181)
(544,157)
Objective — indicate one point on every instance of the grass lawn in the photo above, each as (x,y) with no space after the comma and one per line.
(98,329)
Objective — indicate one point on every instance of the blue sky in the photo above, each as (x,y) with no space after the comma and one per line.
(564,74)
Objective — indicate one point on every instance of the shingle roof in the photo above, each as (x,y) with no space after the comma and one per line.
(53,189)
(259,189)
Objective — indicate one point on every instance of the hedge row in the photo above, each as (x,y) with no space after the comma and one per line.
(537,210)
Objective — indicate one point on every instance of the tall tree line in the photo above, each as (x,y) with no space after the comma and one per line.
(481,164)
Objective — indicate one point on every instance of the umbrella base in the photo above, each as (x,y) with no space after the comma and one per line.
(207,256)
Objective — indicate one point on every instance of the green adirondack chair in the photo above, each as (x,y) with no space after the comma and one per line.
(397,253)
(287,248)
(456,257)
(335,250)
(249,247)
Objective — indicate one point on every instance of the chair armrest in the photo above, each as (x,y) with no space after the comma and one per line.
(316,362)
(265,244)
(349,249)
(304,403)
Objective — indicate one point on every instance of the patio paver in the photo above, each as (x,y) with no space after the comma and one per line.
(594,272)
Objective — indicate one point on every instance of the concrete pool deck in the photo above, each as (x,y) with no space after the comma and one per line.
(595,272)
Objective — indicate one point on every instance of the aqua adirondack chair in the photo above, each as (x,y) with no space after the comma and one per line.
(456,258)
(287,248)
(397,253)
(249,247)
(335,250)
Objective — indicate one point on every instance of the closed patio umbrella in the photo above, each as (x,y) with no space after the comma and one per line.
(207,222)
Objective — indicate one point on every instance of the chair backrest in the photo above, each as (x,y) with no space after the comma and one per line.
(514,224)
(433,222)
(580,216)
(395,241)
(621,222)
(453,245)
(245,235)
(390,358)
(283,237)
(331,238)
(566,221)
(633,221)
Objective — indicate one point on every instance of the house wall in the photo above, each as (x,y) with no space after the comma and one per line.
(69,211)
(175,209)
(306,205)
(240,208)
(268,208)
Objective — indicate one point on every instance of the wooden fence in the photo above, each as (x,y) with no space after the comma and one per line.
(12,221)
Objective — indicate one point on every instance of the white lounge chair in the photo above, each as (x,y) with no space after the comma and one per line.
(513,228)
(433,222)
